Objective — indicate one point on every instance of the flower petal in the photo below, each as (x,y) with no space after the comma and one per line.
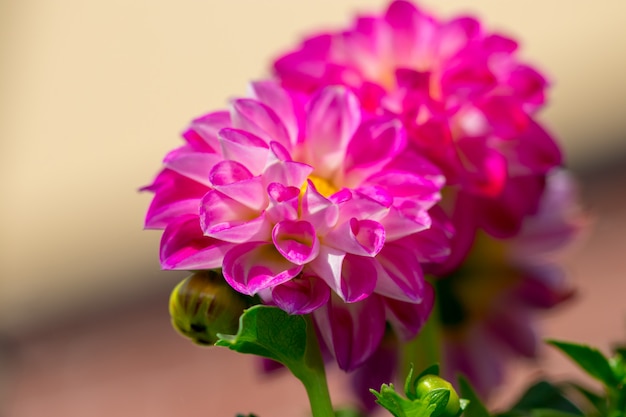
(332,118)
(183,246)
(245,148)
(352,332)
(255,266)
(259,119)
(301,295)
(296,241)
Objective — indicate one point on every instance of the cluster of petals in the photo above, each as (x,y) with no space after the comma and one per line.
(465,99)
(310,202)
(505,283)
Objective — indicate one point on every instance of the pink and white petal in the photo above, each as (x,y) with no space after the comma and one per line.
(408,318)
(275,97)
(358,278)
(456,34)
(373,146)
(284,202)
(366,202)
(296,241)
(333,115)
(288,173)
(174,195)
(358,237)
(318,210)
(352,332)
(251,193)
(413,34)
(191,164)
(400,275)
(183,246)
(207,127)
(254,266)
(328,266)
(223,218)
(245,148)
(405,218)
(409,185)
(260,120)
(301,295)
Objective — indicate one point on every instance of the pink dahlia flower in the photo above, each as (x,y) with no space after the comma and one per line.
(465,99)
(311,203)
(489,305)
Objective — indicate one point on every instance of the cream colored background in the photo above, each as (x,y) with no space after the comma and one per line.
(94,93)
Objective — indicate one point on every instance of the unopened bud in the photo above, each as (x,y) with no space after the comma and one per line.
(203,305)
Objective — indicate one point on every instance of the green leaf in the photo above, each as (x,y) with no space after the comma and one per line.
(399,406)
(590,359)
(544,395)
(475,408)
(596,401)
(269,332)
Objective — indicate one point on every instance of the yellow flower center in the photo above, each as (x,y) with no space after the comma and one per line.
(322,185)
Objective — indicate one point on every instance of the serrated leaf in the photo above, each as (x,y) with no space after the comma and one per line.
(400,406)
(590,359)
(475,408)
(544,395)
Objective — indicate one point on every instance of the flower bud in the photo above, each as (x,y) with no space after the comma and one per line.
(428,383)
(203,305)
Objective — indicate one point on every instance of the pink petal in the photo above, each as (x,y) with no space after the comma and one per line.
(328,266)
(223,218)
(400,276)
(332,118)
(191,164)
(275,97)
(352,332)
(245,148)
(235,181)
(296,241)
(318,210)
(358,278)
(359,237)
(175,195)
(254,266)
(284,202)
(373,146)
(260,120)
(301,295)
(207,126)
(407,319)
(183,246)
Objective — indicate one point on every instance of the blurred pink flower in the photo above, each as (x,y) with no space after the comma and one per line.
(488,306)
(311,203)
(465,99)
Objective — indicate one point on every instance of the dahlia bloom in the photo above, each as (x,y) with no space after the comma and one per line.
(465,99)
(311,203)
(488,306)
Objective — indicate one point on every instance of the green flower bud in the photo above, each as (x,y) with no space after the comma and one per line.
(203,305)
(428,383)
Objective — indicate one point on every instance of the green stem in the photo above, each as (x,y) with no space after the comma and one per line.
(313,376)
(425,349)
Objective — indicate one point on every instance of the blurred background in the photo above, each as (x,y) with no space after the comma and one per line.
(92,96)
